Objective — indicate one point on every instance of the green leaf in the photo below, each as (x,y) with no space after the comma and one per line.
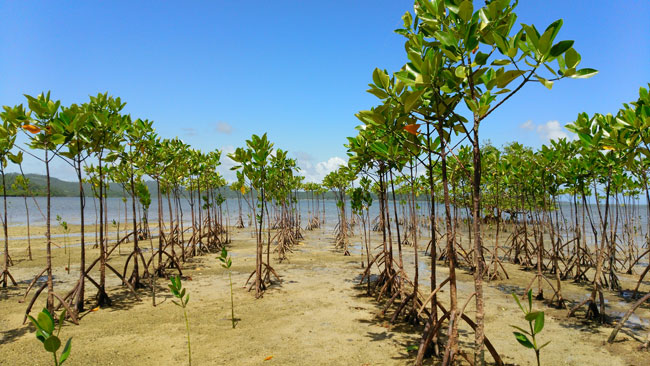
(547,38)
(445,38)
(544,345)
(380,148)
(568,72)
(378,93)
(586,138)
(584,73)
(531,316)
(46,321)
(459,128)
(501,43)
(507,77)
(571,58)
(408,20)
(502,62)
(62,316)
(375,76)
(518,302)
(52,344)
(450,5)
(384,79)
(66,351)
(410,100)
(16,159)
(523,340)
(547,83)
(460,72)
(451,55)
(39,331)
(172,288)
(531,35)
(539,322)
(520,329)
(57,139)
(481,58)
(465,10)
(405,77)
(560,47)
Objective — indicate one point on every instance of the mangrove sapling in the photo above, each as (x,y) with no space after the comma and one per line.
(45,328)
(128,169)
(254,162)
(66,230)
(226,262)
(157,163)
(362,199)
(239,187)
(602,150)
(116,226)
(179,292)
(8,131)
(106,133)
(43,122)
(21,184)
(535,321)
(338,181)
(75,128)
(462,44)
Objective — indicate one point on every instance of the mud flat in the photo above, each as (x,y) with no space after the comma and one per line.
(317,315)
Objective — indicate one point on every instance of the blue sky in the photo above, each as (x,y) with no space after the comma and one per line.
(215,72)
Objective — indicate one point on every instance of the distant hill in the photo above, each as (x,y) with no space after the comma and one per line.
(62,188)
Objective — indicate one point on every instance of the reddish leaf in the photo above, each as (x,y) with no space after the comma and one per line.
(413,129)
(32,128)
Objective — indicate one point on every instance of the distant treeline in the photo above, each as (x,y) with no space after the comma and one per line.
(62,188)
(58,187)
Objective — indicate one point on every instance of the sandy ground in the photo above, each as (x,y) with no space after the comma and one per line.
(317,315)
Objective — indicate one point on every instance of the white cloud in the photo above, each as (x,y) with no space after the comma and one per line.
(224,127)
(312,171)
(528,125)
(325,167)
(551,130)
(227,163)
(316,172)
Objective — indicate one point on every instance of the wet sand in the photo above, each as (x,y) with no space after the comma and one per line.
(317,315)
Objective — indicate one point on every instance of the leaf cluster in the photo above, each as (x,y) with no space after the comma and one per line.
(45,329)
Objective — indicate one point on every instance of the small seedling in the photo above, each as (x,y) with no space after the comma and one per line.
(116,225)
(412,348)
(535,321)
(226,262)
(66,230)
(45,333)
(179,292)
